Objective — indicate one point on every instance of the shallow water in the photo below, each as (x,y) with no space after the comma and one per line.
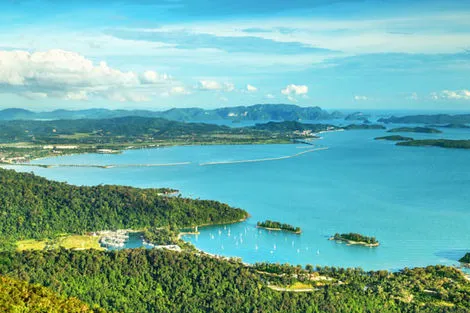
(416,201)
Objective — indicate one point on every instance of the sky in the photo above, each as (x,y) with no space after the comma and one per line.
(160,54)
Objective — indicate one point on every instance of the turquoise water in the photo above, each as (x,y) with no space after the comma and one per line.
(416,201)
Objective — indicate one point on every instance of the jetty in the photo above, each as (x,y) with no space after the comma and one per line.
(264,159)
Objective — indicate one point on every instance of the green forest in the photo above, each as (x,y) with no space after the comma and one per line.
(154,280)
(143,280)
(277,225)
(36,208)
(355,237)
(19,296)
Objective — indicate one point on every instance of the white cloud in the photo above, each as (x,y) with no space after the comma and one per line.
(463,94)
(413,96)
(431,34)
(152,77)
(209,85)
(214,85)
(251,88)
(179,90)
(361,98)
(269,96)
(292,89)
(71,76)
(229,87)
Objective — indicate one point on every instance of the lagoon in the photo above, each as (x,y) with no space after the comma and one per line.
(414,200)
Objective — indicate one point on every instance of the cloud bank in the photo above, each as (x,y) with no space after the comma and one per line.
(71,76)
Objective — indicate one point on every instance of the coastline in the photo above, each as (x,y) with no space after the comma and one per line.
(351,242)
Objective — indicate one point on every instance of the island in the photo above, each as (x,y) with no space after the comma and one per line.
(356,239)
(442,143)
(394,138)
(364,126)
(425,130)
(465,260)
(428,119)
(272,225)
(451,125)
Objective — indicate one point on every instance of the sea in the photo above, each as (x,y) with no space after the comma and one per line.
(414,200)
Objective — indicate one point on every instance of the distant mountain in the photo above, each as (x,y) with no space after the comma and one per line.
(258,112)
(357,116)
(428,119)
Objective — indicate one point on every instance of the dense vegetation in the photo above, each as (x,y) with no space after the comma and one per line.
(355,237)
(103,131)
(443,143)
(280,226)
(426,130)
(19,296)
(429,119)
(34,207)
(363,126)
(465,258)
(286,112)
(142,280)
(394,138)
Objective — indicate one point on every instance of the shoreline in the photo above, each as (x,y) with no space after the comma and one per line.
(210,225)
(130,147)
(352,242)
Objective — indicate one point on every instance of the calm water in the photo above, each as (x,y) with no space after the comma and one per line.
(416,201)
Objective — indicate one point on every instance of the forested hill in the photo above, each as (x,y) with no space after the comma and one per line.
(143,280)
(34,207)
(429,119)
(255,112)
(19,296)
(102,130)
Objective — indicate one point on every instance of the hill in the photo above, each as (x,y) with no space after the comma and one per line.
(257,112)
(19,296)
(33,207)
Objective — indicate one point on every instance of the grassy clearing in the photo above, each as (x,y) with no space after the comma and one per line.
(30,244)
(295,287)
(78,242)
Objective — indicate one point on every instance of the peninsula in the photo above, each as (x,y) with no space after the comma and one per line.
(425,130)
(272,225)
(442,143)
(394,138)
(465,260)
(356,239)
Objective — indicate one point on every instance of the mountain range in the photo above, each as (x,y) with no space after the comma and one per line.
(257,112)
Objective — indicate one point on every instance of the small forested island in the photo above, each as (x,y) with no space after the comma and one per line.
(272,225)
(442,143)
(356,239)
(363,126)
(465,259)
(394,138)
(425,130)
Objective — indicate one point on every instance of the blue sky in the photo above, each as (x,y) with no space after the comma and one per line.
(151,54)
